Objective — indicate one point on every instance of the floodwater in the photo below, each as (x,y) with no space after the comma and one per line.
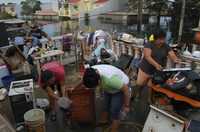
(62,27)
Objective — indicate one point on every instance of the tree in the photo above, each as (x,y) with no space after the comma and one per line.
(5,15)
(158,7)
(192,14)
(29,7)
(155,7)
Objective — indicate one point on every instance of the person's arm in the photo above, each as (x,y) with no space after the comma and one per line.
(147,56)
(173,57)
(63,88)
(51,93)
(125,90)
(75,87)
(78,85)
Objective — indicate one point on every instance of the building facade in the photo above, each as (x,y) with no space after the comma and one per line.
(78,8)
(9,8)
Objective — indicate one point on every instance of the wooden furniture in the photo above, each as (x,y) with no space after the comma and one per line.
(176,96)
(83,105)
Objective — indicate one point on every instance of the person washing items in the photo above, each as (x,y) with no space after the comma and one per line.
(53,82)
(114,83)
(155,59)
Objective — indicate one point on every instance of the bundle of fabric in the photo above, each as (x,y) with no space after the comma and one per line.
(126,38)
(94,39)
(186,83)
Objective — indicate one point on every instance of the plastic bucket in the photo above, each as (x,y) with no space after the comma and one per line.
(35,120)
(6,80)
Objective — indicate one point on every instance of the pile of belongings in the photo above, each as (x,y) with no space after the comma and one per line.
(99,41)
(128,38)
(186,83)
(94,39)
(195,54)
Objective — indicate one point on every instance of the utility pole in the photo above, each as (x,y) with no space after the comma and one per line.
(139,16)
(181,21)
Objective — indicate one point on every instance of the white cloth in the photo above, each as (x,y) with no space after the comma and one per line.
(99,34)
(19,40)
(109,71)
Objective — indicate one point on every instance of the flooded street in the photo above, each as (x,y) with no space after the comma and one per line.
(63,27)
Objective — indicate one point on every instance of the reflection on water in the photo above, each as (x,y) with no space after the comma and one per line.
(63,27)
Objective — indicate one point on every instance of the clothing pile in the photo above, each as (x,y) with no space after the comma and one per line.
(186,83)
(99,41)
(98,37)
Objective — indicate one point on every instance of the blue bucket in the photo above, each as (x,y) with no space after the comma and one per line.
(7,80)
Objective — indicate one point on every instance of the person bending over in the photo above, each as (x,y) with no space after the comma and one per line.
(114,83)
(53,82)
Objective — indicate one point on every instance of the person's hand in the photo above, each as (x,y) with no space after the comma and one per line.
(159,67)
(69,89)
(126,109)
(178,61)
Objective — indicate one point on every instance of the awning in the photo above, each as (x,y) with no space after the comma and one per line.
(73,1)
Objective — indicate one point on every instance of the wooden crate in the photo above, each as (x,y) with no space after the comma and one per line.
(83,105)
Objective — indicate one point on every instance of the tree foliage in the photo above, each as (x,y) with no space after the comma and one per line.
(155,7)
(5,15)
(29,7)
(159,8)
(192,15)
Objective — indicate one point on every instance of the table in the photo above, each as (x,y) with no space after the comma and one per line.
(47,54)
